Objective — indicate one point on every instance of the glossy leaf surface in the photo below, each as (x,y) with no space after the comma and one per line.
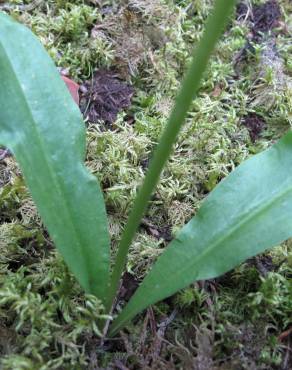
(248,212)
(215,25)
(43,127)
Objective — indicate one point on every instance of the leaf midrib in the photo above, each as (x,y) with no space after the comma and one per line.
(54,179)
(187,266)
(233,229)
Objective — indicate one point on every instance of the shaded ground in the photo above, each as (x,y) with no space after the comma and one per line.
(266,17)
(241,320)
(263,17)
(104,97)
(255,125)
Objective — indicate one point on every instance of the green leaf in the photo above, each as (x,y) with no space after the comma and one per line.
(43,127)
(248,212)
(215,25)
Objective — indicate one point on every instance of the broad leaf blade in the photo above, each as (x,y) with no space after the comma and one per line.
(248,212)
(43,127)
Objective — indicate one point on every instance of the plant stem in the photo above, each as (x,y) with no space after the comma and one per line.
(214,28)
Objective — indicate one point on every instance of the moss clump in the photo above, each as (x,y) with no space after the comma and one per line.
(46,321)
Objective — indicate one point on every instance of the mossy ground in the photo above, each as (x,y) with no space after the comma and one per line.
(233,322)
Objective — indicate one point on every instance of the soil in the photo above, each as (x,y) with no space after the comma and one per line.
(128,287)
(264,264)
(169,335)
(265,17)
(262,18)
(157,232)
(241,10)
(255,125)
(104,97)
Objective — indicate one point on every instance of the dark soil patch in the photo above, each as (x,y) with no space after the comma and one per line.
(33,254)
(128,287)
(104,97)
(255,125)
(266,17)
(264,264)
(163,232)
(241,10)
(262,19)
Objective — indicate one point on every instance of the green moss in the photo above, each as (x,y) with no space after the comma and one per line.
(45,319)
(51,320)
